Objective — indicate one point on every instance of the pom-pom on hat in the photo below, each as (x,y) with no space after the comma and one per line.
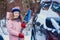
(15,9)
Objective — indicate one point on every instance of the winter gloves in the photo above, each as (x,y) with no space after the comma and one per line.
(21,35)
(23,25)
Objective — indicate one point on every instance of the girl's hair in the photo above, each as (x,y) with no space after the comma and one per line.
(11,16)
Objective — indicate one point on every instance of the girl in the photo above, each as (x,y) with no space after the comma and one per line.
(14,25)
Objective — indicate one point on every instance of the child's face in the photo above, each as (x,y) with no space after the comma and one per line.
(16,14)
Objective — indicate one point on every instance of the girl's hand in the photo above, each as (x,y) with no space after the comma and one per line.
(21,35)
(23,25)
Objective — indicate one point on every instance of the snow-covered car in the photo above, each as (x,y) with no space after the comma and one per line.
(3,29)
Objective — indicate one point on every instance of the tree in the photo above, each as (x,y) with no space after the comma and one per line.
(2,9)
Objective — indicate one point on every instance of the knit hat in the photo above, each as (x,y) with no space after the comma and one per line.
(15,9)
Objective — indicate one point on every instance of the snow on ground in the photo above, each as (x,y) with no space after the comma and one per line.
(6,37)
